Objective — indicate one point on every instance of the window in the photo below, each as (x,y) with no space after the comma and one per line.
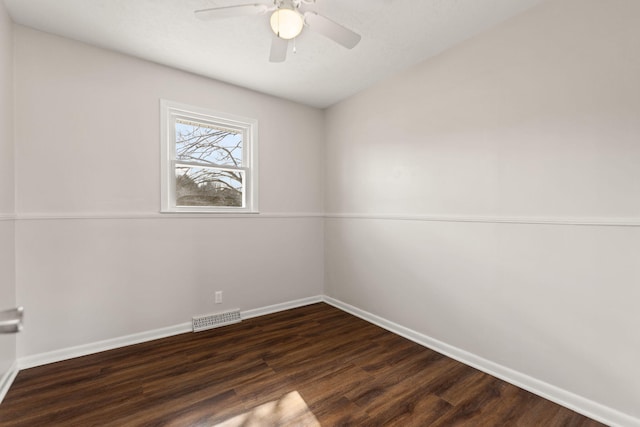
(209,161)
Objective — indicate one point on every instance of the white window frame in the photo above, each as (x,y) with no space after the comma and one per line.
(169,112)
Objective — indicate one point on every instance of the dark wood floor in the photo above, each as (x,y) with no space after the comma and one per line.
(314,365)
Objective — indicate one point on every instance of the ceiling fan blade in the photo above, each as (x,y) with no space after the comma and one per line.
(332,30)
(231,11)
(278,49)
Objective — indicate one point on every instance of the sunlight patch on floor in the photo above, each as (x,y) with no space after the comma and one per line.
(291,409)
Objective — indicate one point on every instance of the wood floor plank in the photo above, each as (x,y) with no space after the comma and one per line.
(330,384)
(310,366)
(340,411)
(411,410)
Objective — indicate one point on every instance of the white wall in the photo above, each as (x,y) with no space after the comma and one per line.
(7,278)
(439,180)
(94,258)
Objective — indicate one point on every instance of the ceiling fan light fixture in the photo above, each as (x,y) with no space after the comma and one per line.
(286,23)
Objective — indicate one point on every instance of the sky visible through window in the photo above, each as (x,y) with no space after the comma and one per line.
(208,144)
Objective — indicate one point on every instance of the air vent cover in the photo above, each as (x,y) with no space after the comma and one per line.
(209,321)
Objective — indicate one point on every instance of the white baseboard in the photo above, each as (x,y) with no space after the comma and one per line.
(27,362)
(110,344)
(248,314)
(563,397)
(7,380)
(550,392)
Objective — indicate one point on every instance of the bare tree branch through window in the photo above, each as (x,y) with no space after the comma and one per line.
(212,153)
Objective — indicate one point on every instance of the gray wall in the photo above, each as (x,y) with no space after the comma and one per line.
(7,274)
(95,259)
(457,189)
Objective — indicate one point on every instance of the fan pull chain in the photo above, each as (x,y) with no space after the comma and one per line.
(294,46)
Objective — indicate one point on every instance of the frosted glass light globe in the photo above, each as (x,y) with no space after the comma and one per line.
(286,23)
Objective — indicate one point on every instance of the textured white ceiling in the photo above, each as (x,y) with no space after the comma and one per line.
(395,35)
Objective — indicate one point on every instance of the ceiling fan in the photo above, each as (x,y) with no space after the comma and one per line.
(288,19)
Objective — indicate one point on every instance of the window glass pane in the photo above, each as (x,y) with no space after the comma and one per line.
(208,187)
(203,143)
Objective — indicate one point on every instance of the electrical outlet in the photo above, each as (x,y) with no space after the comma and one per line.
(218,297)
